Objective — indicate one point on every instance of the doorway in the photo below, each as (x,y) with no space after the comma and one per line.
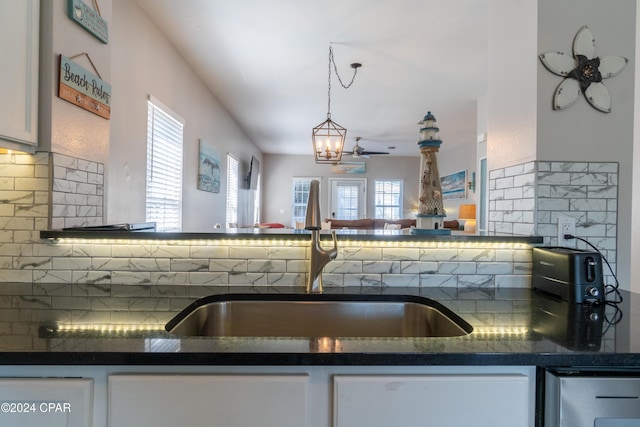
(483,211)
(347,198)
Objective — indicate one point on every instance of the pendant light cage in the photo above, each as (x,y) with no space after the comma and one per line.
(328,142)
(328,137)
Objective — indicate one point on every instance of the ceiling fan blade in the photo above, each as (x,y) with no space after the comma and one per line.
(372,153)
(360,152)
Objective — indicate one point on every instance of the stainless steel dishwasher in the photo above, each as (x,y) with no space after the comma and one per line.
(592,398)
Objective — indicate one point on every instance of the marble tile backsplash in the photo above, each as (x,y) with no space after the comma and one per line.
(24,209)
(262,263)
(529,198)
(77,192)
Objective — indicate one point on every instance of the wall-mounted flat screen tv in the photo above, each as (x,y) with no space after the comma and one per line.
(254,172)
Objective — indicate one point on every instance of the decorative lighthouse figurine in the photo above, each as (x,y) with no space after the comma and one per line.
(431,212)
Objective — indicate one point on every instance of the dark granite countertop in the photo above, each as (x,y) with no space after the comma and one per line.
(285,234)
(102,325)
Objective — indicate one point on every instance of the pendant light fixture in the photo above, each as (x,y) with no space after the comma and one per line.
(328,137)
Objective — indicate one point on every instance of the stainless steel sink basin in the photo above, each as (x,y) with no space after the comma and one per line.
(317,315)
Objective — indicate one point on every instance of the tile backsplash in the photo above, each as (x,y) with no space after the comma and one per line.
(281,263)
(77,192)
(524,199)
(528,199)
(24,209)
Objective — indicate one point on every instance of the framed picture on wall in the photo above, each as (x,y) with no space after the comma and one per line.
(208,168)
(349,168)
(454,186)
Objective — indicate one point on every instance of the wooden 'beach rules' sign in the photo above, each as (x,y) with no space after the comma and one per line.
(84,89)
(89,19)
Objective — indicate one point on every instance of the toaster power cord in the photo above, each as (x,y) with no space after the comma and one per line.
(611,288)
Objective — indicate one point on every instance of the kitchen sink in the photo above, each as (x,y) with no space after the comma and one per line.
(317,315)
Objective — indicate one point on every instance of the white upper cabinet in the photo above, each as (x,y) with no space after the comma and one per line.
(19,32)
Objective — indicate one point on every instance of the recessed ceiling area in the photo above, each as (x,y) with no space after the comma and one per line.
(267,63)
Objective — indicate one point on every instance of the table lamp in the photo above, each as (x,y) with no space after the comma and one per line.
(468,214)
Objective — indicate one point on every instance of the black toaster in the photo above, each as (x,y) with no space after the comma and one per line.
(569,274)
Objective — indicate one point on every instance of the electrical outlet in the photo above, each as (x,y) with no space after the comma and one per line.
(566,225)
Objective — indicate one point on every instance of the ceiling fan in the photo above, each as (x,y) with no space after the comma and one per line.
(360,152)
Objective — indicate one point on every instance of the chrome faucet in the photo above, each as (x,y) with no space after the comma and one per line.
(318,257)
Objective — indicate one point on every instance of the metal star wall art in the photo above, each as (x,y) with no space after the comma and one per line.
(583,73)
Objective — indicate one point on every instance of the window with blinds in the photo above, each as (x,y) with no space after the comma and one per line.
(232,191)
(388,198)
(300,194)
(164,167)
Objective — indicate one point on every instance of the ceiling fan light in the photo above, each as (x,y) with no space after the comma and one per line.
(328,142)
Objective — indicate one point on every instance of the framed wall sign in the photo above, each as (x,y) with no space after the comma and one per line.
(84,89)
(89,19)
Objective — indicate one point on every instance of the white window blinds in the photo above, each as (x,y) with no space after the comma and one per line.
(164,167)
(232,191)
(388,198)
(300,194)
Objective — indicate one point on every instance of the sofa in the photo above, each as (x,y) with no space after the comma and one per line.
(378,224)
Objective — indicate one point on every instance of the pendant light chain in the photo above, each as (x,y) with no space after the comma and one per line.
(355,67)
(329,97)
(328,137)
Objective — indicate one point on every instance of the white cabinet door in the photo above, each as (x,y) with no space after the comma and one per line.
(19,29)
(211,400)
(431,400)
(46,402)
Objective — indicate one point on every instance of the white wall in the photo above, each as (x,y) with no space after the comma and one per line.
(581,133)
(145,63)
(511,105)
(634,235)
(64,127)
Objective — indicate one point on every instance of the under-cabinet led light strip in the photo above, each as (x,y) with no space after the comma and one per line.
(297,243)
(480,332)
(109,329)
(500,331)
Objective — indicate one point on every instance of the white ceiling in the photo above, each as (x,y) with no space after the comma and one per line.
(267,63)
